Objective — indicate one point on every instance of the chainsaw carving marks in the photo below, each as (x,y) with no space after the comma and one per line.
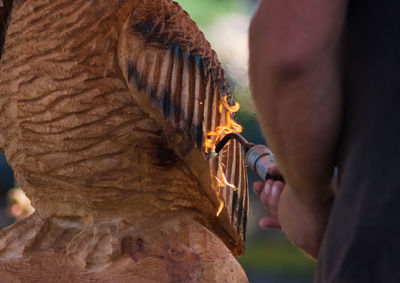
(168,60)
(68,124)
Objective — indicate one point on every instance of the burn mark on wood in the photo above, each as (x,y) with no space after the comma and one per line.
(167,104)
(5,17)
(134,76)
(153,29)
(198,60)
(156,26)
(240,213)
(190,111)
(166,156)
(167,94)
(176,88)
(234,203)
(197,134)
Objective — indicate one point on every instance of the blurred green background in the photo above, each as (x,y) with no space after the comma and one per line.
(269,256)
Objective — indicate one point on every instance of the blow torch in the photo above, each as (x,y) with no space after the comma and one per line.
(258,157)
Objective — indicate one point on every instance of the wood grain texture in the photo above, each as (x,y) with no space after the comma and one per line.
(104,107)
(185,251)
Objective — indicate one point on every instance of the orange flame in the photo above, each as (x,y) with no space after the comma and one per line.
(213,137)
(221,206)
(224,182)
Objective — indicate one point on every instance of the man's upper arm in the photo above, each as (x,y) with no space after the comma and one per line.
(296,33)
(296,85)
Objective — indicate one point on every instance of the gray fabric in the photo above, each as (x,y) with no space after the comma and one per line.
(362,243)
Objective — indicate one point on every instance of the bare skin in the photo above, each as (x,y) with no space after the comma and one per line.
(295,81)
(302,224)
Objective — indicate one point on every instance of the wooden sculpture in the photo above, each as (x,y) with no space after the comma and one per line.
(109,113)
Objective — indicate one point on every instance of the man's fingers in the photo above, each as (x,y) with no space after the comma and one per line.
(257,188)
(270,196)
(265,194)
(269,222)
(274,197)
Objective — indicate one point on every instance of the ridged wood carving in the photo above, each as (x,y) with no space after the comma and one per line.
(107,108)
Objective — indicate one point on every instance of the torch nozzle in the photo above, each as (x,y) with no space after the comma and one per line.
(258,157)
(247,145)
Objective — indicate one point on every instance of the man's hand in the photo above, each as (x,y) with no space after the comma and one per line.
(269,194)
(302,219)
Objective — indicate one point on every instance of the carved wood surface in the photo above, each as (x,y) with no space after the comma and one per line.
(104,110)
(185,251)
(166,59)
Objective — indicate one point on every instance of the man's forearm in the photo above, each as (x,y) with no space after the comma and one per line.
(296,86)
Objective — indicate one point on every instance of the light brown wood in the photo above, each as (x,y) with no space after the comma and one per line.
(105,109)
(178,250)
